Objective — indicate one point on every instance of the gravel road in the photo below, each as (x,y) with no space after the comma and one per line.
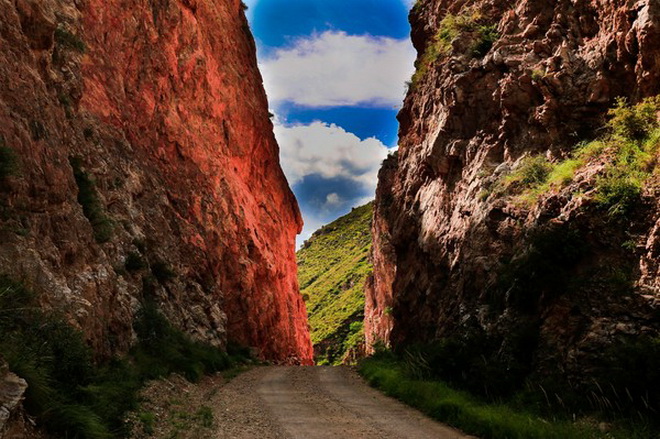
(314,403)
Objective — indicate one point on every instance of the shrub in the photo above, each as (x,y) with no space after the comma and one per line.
(631,152)
(634,122)
(70,395)
(66,39)
(134,262)
(452,27)
(533,170)
(618,192)
(457,408)
(8,161)
(531,173)
(88,198)
(162,272)
(54,360)
(164,349)
(486,37)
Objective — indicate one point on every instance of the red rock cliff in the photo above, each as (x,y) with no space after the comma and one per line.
(158,106)
(447,247)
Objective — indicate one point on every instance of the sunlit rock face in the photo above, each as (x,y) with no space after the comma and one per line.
(448,250)
(159,108)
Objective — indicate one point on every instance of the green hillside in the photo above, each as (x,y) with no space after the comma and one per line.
(332,268)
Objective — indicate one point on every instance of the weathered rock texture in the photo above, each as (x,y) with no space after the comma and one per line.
(159,107)
(442,245)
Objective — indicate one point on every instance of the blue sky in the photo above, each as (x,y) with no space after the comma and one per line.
(334,72)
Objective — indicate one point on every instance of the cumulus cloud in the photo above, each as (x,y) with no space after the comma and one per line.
(328,151)
(330,169)
(334,68)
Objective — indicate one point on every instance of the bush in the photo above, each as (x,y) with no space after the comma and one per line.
(486,37)
(634,122)
(88,198)
(631,152)
(618,192)
(70,395)
(470,21)
(8,161)
(457,408)
(54,360)
(162,272)
(134,262)
(66,39)
(532,170)
(163,349)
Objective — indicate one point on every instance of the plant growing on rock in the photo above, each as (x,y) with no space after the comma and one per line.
(630,151)
(89,200)
(66,39)
(471,23)
(8,160)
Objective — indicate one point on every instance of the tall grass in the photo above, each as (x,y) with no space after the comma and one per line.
(71,395)
(461,410)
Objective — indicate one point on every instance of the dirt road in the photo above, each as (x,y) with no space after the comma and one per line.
(314,403)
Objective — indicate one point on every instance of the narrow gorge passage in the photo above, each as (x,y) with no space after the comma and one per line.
(315,403)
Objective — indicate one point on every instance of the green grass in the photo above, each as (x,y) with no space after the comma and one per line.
(461,410)
(92,206)
(470,23)
(332,268)
(630,150)
(72,396)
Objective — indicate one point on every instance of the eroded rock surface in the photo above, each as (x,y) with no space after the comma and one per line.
(159,111)
(444,247)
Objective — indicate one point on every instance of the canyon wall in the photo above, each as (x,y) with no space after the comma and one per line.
(498,82)
(139,163)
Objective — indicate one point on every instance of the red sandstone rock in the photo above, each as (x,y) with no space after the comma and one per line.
(163,104)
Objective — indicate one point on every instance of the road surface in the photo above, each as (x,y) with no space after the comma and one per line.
(315,403)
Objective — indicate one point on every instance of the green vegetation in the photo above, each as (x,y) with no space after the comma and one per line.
(134,262)
(8,160)
(470,23)
(162,271)
(630,149)
(458,408)
(332,268)
(538,74)
(68,40)
(92,206)
(71,395)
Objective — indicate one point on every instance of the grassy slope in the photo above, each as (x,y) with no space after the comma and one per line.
(332,268)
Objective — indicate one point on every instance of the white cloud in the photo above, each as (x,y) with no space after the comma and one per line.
(329,151)
(333,199)
(334,68)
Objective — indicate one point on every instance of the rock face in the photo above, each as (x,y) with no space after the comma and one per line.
(12,389)
(141,164)
(446,249)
